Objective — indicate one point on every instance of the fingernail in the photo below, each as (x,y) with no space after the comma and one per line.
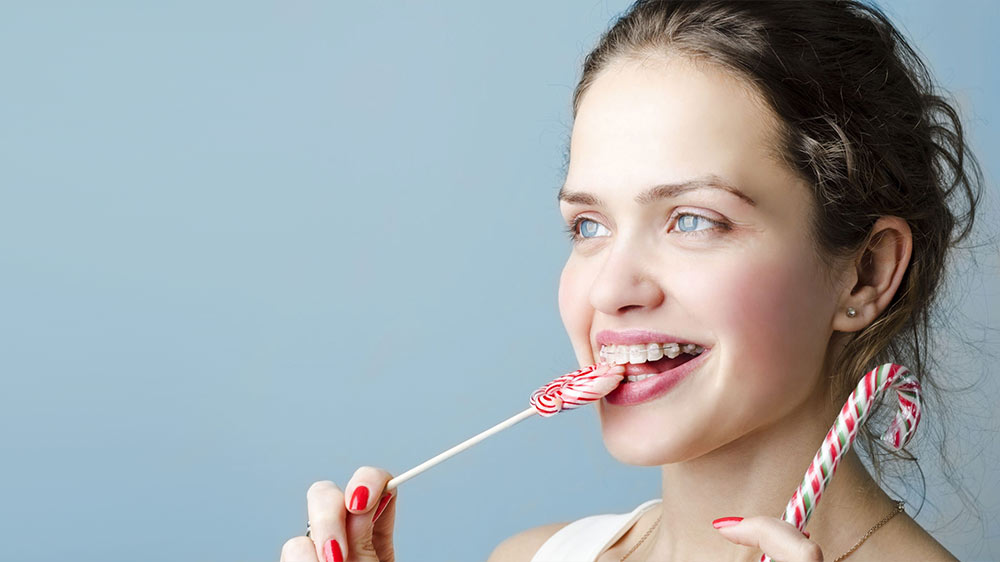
(359,501)
(806,533)
(726,522)
(381,506)
(332,552)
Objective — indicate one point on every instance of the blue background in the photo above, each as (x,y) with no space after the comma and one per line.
(237,239)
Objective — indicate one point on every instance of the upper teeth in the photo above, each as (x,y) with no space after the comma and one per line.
(640,353)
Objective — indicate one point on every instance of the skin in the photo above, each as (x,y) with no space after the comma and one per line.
(734,438)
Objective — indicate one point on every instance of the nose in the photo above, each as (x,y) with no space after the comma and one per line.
(624,283)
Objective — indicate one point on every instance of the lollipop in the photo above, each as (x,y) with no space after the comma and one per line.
(566,392)
(575,389)
(840,437)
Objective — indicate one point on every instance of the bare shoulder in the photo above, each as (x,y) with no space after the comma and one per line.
(522,546)
(905,539)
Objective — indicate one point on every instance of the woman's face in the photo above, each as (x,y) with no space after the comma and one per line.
(738,275)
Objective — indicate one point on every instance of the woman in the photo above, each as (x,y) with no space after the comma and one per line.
(776,183)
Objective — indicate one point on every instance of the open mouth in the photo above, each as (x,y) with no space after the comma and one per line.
(642,371)
(642,361)
(650,380)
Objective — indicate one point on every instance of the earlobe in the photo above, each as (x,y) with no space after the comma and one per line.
(877,272)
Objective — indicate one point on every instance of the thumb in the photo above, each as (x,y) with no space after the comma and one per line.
(370,516)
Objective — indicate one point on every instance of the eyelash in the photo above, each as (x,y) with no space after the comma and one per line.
(573,230)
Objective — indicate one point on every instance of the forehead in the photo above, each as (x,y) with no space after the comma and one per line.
(659,119)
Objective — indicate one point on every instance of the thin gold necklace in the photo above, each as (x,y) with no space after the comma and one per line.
(895,512)
(649,532)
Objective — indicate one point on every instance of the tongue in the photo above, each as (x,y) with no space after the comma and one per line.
(654,367)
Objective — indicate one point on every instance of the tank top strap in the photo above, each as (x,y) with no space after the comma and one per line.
(585,539)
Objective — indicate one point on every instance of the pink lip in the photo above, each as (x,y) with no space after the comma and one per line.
(632,393)
(633,337)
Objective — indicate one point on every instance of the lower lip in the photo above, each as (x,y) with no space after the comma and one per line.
(632,393)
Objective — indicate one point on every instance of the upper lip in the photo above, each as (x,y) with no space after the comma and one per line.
(633,337)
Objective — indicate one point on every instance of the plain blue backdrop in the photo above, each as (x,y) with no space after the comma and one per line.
(249,245)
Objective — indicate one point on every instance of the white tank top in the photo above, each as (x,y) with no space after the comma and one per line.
(585,539)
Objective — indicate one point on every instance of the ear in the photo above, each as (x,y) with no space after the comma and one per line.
(873,277)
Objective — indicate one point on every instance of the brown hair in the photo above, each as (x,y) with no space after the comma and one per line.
(860,121)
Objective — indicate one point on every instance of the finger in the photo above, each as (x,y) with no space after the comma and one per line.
(365,499)
(778,539)
(384,520)
(386,507)
(327,521)
(298,549)
(365,488)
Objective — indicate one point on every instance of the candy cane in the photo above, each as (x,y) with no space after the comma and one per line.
(840,437)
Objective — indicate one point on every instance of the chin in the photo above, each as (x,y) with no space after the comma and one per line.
(645,440)
(644,450)
(635,457)
(637,453)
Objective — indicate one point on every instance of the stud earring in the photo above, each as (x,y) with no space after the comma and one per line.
(851,313)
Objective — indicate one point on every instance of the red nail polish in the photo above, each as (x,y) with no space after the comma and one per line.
(381,506)
(332,552)
(359,501)
(726,522)
(806,533)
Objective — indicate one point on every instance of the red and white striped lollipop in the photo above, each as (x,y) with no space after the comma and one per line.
(840,437)
(566,392)
(575,389)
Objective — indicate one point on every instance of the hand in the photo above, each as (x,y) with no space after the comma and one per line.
(352,527)
(778,539)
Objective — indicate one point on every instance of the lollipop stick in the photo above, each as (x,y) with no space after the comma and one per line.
(459,448)
(569,391)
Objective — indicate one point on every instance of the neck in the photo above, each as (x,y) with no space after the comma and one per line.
(756,475)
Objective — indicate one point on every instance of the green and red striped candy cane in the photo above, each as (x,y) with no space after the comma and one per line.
(840,437)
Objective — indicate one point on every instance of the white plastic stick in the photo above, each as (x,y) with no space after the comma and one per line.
(459,448)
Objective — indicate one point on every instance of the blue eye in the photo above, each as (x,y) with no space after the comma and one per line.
(589,228)
(689,223)
(584,229)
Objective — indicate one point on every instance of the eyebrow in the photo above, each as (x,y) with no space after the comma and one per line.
(662,191)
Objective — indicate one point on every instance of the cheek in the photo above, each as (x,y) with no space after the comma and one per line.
(788,298)
(574,306)
(772,313)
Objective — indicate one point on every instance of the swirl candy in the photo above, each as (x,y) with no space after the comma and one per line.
(840,437)
(569,391)
(575,389)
